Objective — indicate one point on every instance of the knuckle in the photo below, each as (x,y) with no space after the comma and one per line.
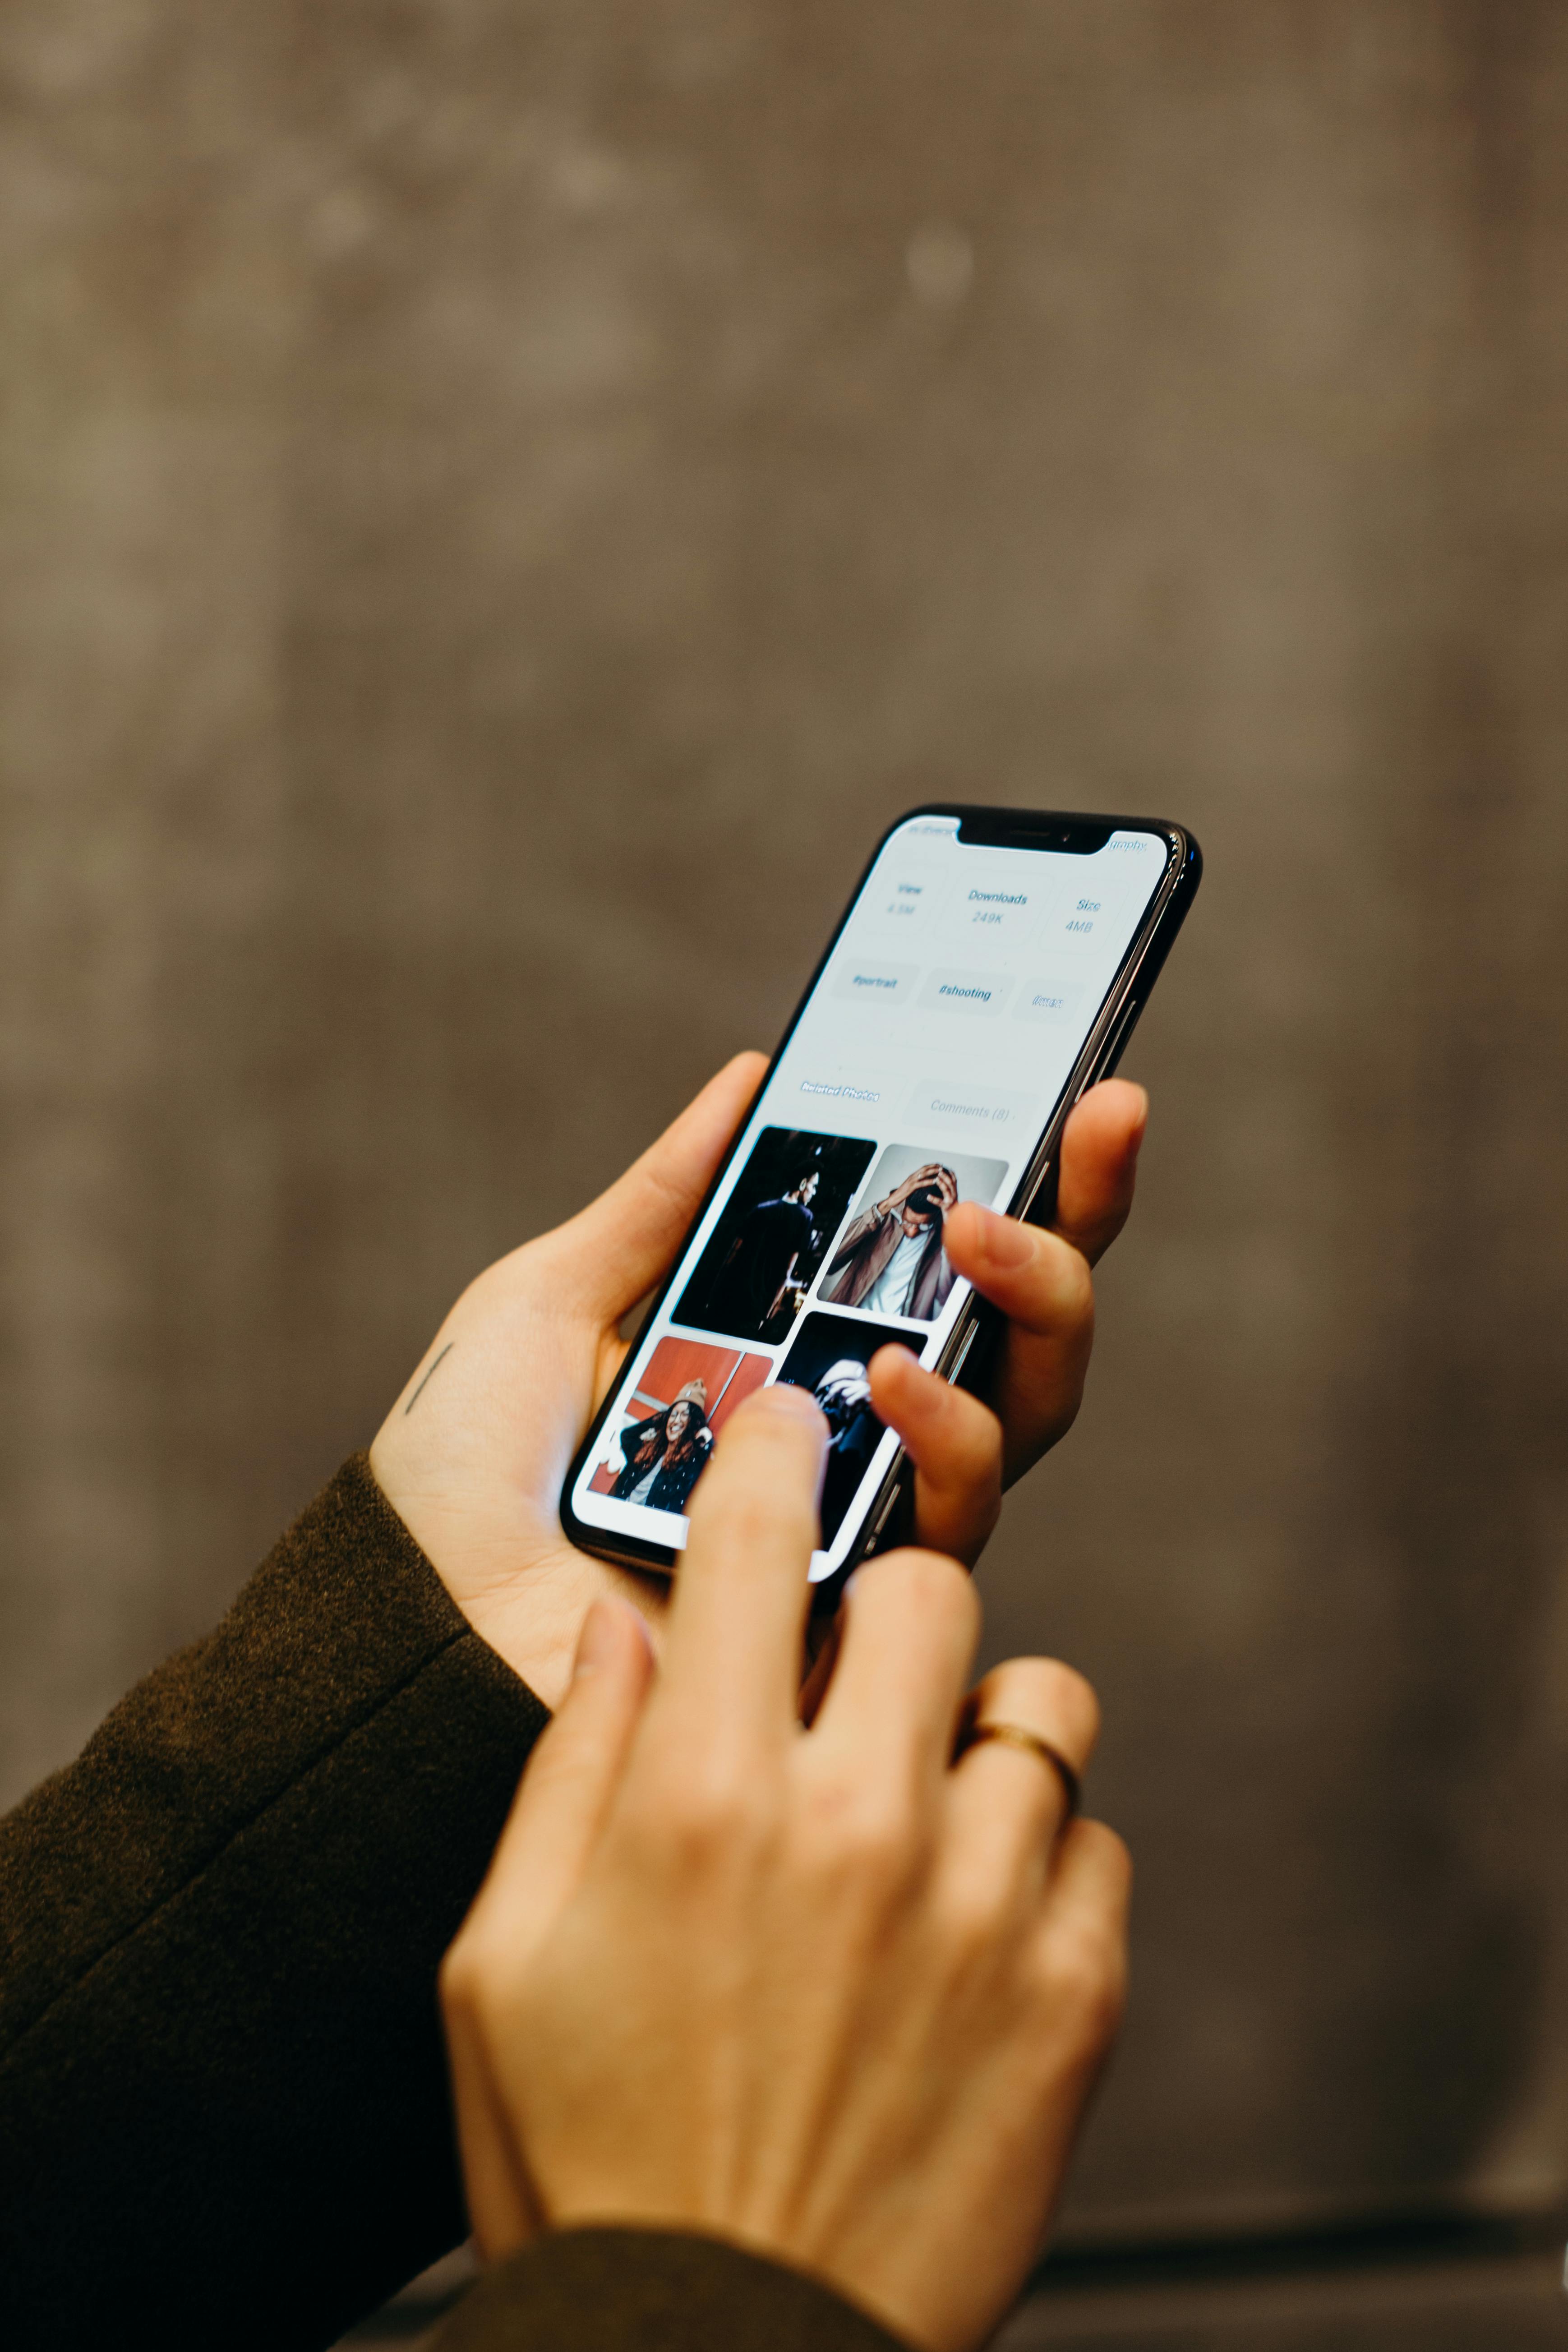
(1070,1279)
(475,1980)
(874,1838)
(457,1980)
(708,1818)
(933,1587)
(989,1436)
(975,1440)
(1084,1982)
(979,1910)
(1115,1861)
(712,1811)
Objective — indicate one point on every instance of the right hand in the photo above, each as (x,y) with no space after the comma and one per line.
(820,1992)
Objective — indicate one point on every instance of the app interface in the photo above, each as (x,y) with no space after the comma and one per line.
(923,1072)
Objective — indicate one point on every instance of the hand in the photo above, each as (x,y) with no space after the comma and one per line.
(819,1991)
(473,1453)
(965,1448)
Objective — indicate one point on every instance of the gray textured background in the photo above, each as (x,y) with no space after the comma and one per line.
(502,502)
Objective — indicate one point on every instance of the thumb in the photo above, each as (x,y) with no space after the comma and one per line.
(619,1245)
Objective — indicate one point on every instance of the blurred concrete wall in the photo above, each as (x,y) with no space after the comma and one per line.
(501,503)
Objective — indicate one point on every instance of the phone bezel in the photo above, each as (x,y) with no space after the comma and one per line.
(1068,831)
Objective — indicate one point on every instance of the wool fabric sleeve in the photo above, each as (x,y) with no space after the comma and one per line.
(223,2113)
(618,2290)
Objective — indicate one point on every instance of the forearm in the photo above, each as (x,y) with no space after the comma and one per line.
(222,2088)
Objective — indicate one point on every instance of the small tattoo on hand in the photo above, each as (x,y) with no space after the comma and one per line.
(429,1378)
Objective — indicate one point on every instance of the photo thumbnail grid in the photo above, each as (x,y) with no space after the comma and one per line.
(794,1228)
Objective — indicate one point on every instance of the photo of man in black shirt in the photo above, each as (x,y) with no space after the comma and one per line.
(772,1241)
(789,1201)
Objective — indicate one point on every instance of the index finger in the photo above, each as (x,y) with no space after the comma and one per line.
(732,1647)
(1101,1144)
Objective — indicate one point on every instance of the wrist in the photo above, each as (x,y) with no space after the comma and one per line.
(852,2275)
(602,2282)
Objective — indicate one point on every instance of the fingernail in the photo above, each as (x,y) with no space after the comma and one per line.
(922,1391)
(594,1642)
(1007,1244)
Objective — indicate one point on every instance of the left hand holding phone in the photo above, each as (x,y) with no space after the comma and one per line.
(966,1449)
(832,1994)
(473,1452)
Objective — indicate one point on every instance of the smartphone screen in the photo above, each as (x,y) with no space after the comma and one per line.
(922,1070)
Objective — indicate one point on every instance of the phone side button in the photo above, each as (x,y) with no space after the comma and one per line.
(883,1515)
(1113,1053)
(953,1370)
(1025,1213)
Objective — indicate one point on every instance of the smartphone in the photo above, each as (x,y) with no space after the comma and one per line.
(988,969)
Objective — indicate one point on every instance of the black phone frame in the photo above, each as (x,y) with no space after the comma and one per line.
(965,1353)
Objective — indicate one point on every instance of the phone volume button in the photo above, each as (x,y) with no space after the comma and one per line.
(1112,1054)
(885,1514)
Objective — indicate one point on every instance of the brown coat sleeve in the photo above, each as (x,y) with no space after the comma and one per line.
(223,2100)
(859,1231)
(651,2291)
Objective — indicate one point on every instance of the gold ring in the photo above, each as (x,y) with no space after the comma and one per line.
(1012,1735)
